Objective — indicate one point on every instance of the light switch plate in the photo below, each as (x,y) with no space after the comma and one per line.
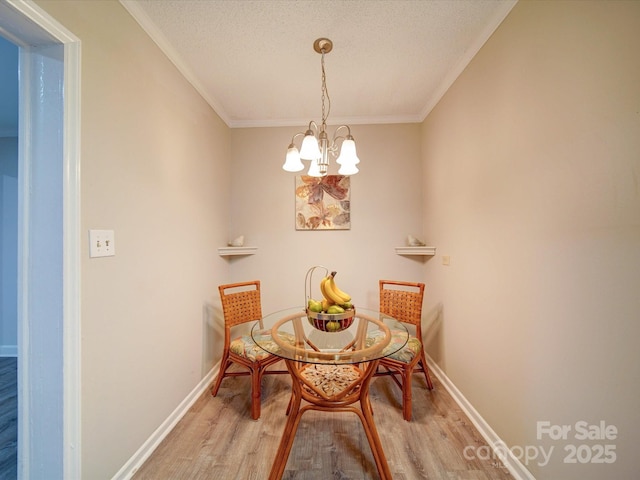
(102,243)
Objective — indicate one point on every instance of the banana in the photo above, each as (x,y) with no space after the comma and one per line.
(329,288)
(323,288)
(344,296)
(331,293)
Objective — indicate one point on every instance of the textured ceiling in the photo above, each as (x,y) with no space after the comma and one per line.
(253,60)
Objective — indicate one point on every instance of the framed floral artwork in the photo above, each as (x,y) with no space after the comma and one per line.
(323,203)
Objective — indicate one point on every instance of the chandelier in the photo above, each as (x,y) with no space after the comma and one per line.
(315,144)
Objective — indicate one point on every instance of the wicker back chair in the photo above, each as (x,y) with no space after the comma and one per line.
(403,301)
(241,303)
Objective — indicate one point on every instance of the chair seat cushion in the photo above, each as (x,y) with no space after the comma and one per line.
(244,346)
(406,354)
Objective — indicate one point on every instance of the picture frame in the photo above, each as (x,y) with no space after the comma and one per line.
(323,203)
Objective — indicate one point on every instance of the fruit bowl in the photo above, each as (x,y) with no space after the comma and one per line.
(333,312)
(331,322)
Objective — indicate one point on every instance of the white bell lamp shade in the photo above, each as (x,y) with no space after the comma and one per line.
(348,169)
(310,149)
(293,163)
(348,153)
(314,169)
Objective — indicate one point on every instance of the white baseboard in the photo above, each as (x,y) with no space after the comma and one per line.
(510,461)
(144,452)
(8,350)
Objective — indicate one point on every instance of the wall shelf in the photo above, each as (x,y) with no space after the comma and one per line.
(430,251)
(229,251)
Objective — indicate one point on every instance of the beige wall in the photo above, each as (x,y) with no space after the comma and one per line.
(155,168)
(531,165)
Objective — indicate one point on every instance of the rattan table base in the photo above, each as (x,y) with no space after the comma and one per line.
(342,388)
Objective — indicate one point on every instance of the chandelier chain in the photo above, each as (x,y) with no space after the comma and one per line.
(325,92)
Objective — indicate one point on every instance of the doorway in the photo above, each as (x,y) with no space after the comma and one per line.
(48,242)
(8,257)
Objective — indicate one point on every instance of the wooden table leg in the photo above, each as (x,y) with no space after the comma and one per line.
(370,428)
(290,428)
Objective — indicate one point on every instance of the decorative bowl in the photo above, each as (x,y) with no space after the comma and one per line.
(331,322)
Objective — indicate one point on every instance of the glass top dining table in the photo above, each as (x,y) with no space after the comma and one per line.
(331,370)
(291,335)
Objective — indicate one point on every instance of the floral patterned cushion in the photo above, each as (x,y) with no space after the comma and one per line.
(406,354)
(247,348)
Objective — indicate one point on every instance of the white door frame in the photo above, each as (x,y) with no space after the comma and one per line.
(49,395)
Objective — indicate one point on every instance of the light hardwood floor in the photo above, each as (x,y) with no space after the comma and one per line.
(218,440)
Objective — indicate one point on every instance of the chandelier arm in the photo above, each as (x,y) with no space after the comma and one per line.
(333,148)
(337,137)
(293,139)
(315,125)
